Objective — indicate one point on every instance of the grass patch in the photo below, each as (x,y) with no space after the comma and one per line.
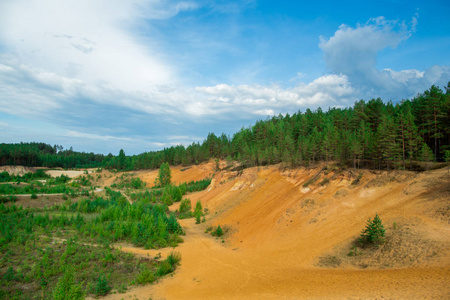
(330,261)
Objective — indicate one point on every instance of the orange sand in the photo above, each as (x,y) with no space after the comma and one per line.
(278,229)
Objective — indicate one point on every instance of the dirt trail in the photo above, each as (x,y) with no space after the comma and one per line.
(279,228)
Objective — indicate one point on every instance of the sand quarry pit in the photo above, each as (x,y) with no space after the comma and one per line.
(288,241)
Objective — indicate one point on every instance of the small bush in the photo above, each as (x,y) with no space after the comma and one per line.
(102,287)
(145,276)
(33,196)
(9,275)
(174,258)
(185,209)
(197,218)
(373,233)
(66,288)
(354,251)
(218,232)
(164,268)
(198,212)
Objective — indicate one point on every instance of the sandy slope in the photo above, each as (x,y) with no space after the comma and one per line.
(180,174)
(279,230)
(17,170)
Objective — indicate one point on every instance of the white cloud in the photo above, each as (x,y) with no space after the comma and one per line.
(84,135)
(327,90)
(353,52)
(405,75)
(159,9)
(87,42)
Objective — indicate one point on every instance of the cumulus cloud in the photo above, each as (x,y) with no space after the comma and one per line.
(353,52)
(328,90)
(87,42)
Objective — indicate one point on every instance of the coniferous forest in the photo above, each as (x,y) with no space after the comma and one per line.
(371,134)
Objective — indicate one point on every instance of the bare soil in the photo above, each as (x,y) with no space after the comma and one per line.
(289,241)
(17,170)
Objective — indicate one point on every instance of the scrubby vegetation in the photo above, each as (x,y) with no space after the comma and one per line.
(217,231)
(126,181)
(39,183)
(27,177)
(171,193)
(65,251)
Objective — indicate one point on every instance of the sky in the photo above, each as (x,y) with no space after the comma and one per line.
(141,75)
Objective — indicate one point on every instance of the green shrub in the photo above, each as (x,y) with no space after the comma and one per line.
(373,233)
(164,268)
(185,209)
(102,287)
(354,251)
(218,232)
(176,194)
(10,275)
(145,275)
(174,259)
(137,183)
(198,208)
(66,288)
(33,196)
(197,218)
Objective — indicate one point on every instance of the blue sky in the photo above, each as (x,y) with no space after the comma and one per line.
(101,76)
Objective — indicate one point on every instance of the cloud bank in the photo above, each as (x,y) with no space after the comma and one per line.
(353,52)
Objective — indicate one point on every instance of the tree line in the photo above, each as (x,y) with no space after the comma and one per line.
(43,155)
(372,134)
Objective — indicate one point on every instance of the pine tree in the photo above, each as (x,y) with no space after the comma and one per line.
(426,154)
(164,175)
(433,114)
(374,232)
(387,139)
(411,135)
(447,159)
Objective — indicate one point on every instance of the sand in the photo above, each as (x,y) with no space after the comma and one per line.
(279,230)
